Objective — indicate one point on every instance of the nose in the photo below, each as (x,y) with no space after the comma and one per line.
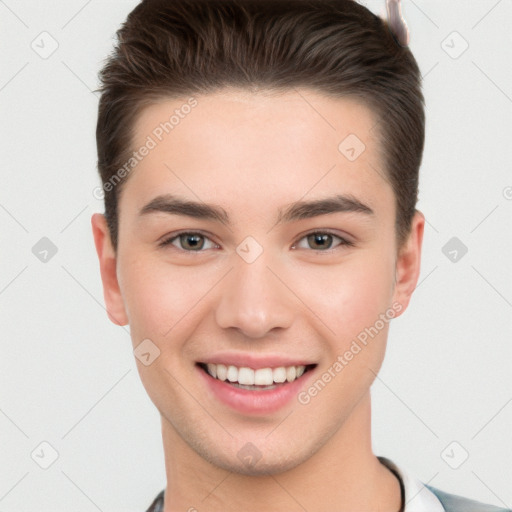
(254,299)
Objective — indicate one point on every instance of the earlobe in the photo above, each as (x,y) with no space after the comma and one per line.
(408,263)
(107,259)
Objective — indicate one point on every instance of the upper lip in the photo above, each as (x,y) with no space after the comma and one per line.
(241,360)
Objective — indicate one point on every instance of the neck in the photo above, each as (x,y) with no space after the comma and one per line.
(344,475)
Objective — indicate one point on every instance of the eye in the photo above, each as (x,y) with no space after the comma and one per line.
(189,241)
(322,241)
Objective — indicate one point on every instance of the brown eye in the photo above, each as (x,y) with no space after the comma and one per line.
(322,241)
(189,241)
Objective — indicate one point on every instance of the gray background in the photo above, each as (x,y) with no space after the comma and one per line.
(68,376)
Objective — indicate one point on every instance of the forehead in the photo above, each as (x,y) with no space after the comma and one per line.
(237,145)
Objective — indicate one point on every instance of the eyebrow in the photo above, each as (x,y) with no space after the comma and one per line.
(299,210)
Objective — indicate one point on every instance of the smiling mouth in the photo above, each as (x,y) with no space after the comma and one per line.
(255,380)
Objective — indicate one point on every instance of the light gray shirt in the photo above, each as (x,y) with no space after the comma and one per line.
(417,497)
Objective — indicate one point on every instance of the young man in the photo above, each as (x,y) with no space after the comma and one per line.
(260,163)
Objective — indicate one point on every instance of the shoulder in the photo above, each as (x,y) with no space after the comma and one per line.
(450,503)
(454,503)
(158,503)
(420,497)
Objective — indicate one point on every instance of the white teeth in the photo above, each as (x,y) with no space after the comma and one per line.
(212,369)
(263,377)
(232,375)
(291,373)
(222,372)
(246,376)
(279,374)
(249,377)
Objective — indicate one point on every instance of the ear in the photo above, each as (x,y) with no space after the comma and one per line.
(408,263)
(107,258)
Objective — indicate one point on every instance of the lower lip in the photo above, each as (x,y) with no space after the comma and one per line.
(254,402)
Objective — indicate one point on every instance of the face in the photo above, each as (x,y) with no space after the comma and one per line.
(257,259)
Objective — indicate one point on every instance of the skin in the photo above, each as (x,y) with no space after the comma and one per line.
(253,153)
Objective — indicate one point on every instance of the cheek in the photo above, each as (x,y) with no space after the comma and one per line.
(160,304)
(355,303)
(349,297)
(159,297)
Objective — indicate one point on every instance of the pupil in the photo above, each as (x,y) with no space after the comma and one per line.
(193,241)
(321,239)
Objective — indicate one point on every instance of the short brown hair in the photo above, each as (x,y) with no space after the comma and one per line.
(172,48)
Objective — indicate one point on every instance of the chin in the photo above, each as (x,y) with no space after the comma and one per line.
(251,461)
(261,467)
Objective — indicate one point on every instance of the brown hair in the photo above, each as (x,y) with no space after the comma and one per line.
(172,48)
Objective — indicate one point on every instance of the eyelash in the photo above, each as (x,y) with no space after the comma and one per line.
(343,241)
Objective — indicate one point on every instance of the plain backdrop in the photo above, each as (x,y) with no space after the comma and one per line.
(443,400)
